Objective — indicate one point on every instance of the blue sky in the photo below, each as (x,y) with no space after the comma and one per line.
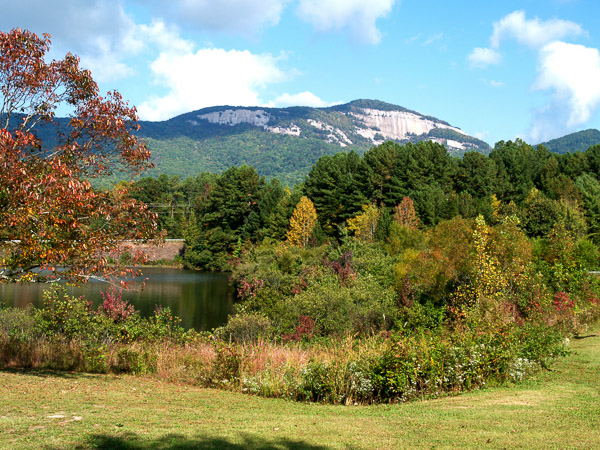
(499,69)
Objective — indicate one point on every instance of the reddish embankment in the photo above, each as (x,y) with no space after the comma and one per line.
(167,251)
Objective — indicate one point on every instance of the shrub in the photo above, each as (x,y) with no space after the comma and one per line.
(587,254)
(317,383)
(227,365)
(136,360)
(18,324)
(363,307)
(304,330)
(245,328)
(114,307)
(162,325)
(95,358)
(63,315)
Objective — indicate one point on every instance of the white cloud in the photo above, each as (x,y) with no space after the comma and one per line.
(305,98)
(413,38)
(246,16)
(481,135)
(165,38)
(99,31)
(483,57)
(533,33)
(209,77)
(357,16)
(431,39)
(572,73)
(496,84)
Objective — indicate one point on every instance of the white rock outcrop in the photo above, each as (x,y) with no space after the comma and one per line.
(373,124)
(256,117)
(292,130)
(335,136)
(396,125)
(231,117)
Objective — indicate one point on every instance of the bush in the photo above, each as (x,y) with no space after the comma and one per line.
(114,307)
(419,318)
(227,365)
(64,316)
(363,307)
(19,324)
(245,328)
(317,383)
(136,360)
(163,325)
(587,254)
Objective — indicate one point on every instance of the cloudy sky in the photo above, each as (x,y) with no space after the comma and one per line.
(498,69)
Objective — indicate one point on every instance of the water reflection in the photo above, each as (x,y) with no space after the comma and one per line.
(202,300)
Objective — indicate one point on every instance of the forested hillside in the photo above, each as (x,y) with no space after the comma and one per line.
(285,142)
(574,142)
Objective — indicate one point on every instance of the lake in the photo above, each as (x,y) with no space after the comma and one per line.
(203,300)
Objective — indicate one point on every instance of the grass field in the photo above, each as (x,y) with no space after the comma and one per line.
(558,408)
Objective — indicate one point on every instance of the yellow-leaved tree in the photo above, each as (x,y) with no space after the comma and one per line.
(302,222)
(487,293)
(365,224)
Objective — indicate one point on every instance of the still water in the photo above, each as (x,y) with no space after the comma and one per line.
(202,300)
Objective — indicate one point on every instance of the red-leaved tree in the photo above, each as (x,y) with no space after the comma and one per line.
(50,216)
(405,214)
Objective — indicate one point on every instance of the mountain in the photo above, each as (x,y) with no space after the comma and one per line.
(286,142)
(574,142)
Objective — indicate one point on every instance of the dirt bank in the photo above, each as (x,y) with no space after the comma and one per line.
(167,251)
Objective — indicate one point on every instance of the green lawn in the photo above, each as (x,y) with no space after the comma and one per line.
(560,409)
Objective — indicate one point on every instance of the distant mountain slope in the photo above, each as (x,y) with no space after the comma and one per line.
(286,142)
(574,142)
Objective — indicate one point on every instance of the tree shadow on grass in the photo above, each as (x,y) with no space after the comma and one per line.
(50,373)
(177,441)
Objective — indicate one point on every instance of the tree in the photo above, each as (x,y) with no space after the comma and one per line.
(49,212)
(380,163)
(234,203)
(302,223)
(365,224)
(405,214)
(540,214)
(230,214)
(336,184)
(590,190)
(476,174)
(520,168)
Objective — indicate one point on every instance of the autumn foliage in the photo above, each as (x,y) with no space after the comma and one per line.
(302,223)
(405,214)
(364,225)
(50,214)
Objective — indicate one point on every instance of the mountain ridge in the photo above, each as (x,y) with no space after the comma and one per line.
(286,142)
(579,141)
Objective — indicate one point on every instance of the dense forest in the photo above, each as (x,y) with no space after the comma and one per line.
(217,214)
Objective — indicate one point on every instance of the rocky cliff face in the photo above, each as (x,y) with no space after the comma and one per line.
(256,117)
(396,125)
(360,123)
